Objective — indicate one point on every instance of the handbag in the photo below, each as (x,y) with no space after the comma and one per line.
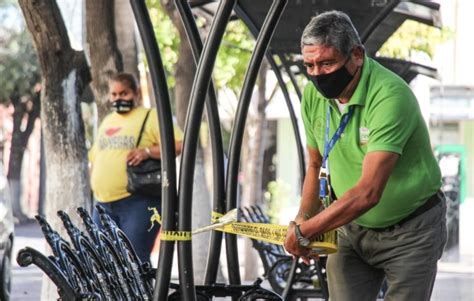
(144,178)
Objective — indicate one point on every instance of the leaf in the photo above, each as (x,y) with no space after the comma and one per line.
(233,56)
(413,37)
(19,64)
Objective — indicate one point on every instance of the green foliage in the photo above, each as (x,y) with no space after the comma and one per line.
(167,37)
(19,68)
(414,37)
(233,56)
(277,197)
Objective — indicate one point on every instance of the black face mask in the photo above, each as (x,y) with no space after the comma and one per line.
(122,106)
(332,84)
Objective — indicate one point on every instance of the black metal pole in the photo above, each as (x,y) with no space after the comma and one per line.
(294,121)
(291,279)
(167,145)
(378,19)
(193,119)
(291,75)
(276,69)
(261,45)
(218,171)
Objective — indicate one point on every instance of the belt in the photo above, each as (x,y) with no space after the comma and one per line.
(430,203)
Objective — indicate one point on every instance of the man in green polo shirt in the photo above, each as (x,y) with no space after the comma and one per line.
(366,121)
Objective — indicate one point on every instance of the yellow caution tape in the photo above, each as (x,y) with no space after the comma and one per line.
(175,235)
(215,216)
(323,244)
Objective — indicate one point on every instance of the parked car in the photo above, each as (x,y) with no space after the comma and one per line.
(6,237)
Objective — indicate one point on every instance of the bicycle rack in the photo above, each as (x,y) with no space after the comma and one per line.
(101,265)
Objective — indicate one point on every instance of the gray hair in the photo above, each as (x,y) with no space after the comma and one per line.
(333,29)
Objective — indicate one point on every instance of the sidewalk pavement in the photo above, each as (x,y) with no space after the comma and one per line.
(453,282)
(26,281)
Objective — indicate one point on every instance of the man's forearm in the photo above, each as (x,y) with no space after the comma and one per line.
(310,204)
(350,206)
(377,167)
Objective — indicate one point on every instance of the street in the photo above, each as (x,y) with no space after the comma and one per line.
(454,281)
(26,282)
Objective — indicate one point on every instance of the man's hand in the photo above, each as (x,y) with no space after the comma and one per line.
(137,155)
(293,247)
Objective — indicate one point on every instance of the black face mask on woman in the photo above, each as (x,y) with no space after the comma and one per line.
(122,106)
(332,84)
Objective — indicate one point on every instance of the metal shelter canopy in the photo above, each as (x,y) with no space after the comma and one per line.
(375,20)
(407,70)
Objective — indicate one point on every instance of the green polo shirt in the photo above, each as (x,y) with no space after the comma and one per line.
(386,117)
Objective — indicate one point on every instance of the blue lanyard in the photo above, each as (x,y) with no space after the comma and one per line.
(328,145)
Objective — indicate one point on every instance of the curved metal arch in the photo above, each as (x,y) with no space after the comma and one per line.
(378,19)
(168,153)
(276,69)
(291,74)
(294,121)
(193,119)
(218,173)
(261,45)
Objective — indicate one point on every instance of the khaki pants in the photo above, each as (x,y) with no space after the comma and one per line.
(407,256)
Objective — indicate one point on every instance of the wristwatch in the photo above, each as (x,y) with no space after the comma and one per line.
(302,241)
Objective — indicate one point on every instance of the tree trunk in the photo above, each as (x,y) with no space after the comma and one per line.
(65,74)
(104,54)
(126,36)
(254,144)
(185,66)
(22,110)
(184,75)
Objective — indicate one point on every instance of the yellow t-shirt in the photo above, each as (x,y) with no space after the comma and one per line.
(117,135)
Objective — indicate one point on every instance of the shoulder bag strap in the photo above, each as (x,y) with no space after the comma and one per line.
(143,127)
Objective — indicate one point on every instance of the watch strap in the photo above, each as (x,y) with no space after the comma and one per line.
(302,241)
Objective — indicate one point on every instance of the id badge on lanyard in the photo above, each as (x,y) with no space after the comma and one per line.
(324,183)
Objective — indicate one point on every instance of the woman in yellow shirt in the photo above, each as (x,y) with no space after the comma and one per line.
(114,148)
